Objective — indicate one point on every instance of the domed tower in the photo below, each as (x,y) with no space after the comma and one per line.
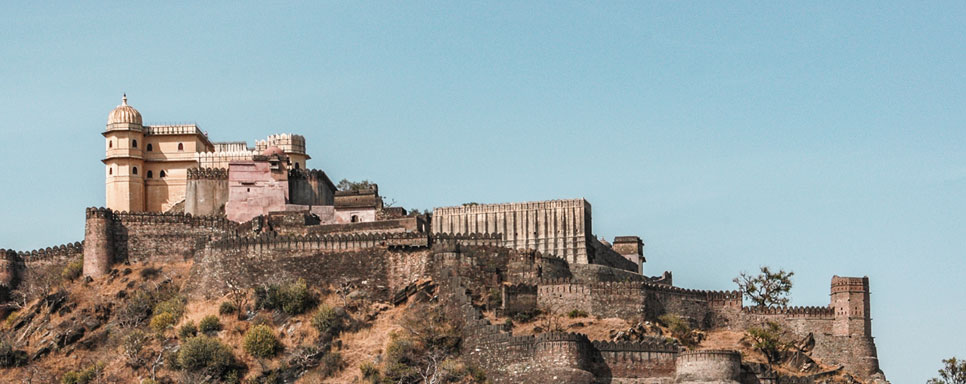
(124,138)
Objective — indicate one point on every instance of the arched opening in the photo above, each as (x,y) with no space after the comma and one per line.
(162,174)
(134,170)
(354,219)
(180,147)
(134,143)
(150,174)
(110,171)
(150,147)
(296,165)
(110,143)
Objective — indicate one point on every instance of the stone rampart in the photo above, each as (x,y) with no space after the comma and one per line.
(716,366)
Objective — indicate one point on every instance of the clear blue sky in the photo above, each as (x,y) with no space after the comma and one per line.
(826,138)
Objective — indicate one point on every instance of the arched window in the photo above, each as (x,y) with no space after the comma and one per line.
(296,165)
(162,174)
(180,146)
(110,143)
(134,143)
(134,170)
(354,219)
(110,171)
(150,174)
(150,148)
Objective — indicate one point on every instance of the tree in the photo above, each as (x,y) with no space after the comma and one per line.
(346,185)
(770,340)
(953,373)
(768,289)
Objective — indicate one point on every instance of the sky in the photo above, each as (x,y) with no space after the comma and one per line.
(826,138)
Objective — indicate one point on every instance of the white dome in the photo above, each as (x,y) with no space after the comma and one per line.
(124,114)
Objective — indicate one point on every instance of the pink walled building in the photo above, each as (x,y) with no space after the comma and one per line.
(255,188)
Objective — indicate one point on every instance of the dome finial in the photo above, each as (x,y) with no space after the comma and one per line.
(124,99)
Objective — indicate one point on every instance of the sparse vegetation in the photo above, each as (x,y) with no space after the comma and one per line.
(206,355)
(11,357)
(328,321)
(162,321)
(953,372)
(573,314)
(291,298)
(136,309)
(767,289)
(226,308)
(260,341)
(680,329)
(331,363)
(84,376)
(770,340)
(131,347)
(187,330)
(72,270)
(346,185)
(210,324)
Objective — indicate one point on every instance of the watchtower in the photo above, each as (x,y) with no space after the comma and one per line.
(124,159)
(850,300)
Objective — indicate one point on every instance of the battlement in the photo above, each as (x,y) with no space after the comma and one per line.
(618,287)
(809,312)
(207,174)
(328,242)
(850,284)
(63,251)
(174,129)
(654,344)
(521,206)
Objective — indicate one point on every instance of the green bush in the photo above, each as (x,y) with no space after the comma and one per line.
(577,313)
(369,371)
(174,306)
(84,376)
(136,309)
(162,321)
(226,308)
(187,330)
(72,270)
(769,339)
(328,321)
(291,298)
(525,317)
(203,353)
(210,324)
(260,341)
(680,329)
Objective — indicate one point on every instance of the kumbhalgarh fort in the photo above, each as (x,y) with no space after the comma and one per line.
(224,261)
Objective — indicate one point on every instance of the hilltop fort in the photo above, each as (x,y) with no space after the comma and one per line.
(241,217)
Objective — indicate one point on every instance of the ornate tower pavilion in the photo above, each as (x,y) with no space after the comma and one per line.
(124,137)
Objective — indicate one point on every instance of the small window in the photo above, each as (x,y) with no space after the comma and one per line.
(110,171)
(150,148)
(150,174)
(134,143)
(180,146)
(296,165)
(135,170)
(354,219)
(110,143)
(162,174)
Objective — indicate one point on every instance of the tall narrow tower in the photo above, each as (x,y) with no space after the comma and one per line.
(125,161)
(850,300)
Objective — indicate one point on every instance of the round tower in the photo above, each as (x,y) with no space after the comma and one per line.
(9,273)
(712,366)
(124,160)
(98,242)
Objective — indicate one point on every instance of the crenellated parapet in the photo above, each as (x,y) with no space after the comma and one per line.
(59,252)
(720,366)
(792,312)
(207,174)
(327,242)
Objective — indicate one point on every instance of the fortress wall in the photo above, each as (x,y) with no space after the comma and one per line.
(529,266)
(557,227)
(145,237)
(708,366)
(518,298)
(206,192)
(634,360)
(310,187)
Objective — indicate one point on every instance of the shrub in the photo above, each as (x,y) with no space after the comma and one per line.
(369,371)
(150,272)
(331,363)
(10,357)
(203,353)
(136,309)
(187,330)
(174,306)
(84,376)
(72,270)
(769,340)
(680,329)
(226,308)
(260,341)
(210,324)
(292,298)
(131,347)
(573,314)
(161,321)
(525,317)
(328,321)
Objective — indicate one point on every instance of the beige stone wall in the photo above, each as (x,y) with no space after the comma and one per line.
(557,227)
